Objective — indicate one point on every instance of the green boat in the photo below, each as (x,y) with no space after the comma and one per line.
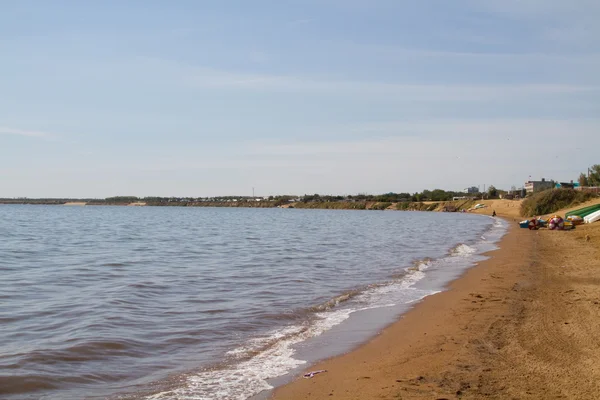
(582,212)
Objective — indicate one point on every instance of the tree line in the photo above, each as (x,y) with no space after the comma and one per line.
(592,178)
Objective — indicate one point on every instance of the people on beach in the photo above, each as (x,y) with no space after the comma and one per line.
(493,213)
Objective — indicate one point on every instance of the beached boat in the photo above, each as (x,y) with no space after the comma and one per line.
(556,222)
(593,217)
(575,219)
(583,212)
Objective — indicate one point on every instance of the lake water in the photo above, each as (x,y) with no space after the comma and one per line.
(207,303)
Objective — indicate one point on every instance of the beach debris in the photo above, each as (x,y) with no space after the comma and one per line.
(533,224)
(593,217)
(556,222)
(313,373)
(575,219)
(585,211)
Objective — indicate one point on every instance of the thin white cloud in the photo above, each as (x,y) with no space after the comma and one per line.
(207,78)
(23,132)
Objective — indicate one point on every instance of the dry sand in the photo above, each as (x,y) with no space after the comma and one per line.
(521,325)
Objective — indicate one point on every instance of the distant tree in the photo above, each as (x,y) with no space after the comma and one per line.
(492,191)
(583,180)
(440,195)
(281,200)
(392,197)
(363,197)
(121,199)
(594,178)
(425,195)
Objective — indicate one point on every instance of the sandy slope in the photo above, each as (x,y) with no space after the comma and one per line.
(522,325)
(507,208)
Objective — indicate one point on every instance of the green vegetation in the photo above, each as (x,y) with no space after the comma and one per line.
(332,205)
(549,201)
(391,197)
(416,206)
(593,178)
(583,180)
(121,199)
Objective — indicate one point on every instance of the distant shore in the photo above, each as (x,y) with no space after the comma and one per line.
(522,325)
(447,206)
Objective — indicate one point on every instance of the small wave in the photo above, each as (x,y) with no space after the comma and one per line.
(419,265)
(115,264)
(18,384)
(262,359)
(329,304)
(215,311)
(148,285)
(81,352)
(463,250)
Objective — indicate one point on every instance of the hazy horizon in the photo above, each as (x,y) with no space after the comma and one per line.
(197,99)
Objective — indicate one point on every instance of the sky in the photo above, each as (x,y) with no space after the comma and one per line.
(206,98)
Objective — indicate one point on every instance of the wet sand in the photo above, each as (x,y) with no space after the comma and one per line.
(522,324)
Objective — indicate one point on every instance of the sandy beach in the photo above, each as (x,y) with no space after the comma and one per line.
(521,325)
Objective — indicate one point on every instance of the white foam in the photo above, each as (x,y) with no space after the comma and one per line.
(400,291)
(463,250)
(247,378)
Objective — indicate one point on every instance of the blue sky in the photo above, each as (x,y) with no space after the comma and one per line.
(201,98)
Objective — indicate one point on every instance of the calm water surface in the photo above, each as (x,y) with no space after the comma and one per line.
(205,303)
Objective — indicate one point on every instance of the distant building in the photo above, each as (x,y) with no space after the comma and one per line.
(473,189)
(536,186)
(567,185)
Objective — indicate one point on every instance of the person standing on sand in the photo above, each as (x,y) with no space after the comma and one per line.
(493,213)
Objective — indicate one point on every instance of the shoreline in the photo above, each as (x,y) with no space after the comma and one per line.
(480,337)
(368,371)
